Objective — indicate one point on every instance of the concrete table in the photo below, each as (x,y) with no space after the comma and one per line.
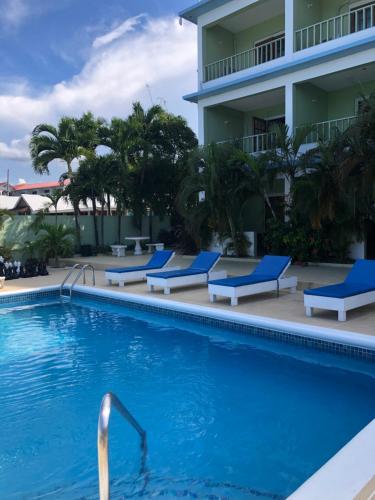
(118,250)
(137,239)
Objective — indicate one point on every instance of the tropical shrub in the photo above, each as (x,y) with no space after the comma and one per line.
(55,241)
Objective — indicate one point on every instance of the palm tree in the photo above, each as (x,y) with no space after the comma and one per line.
(70,140)
(225,180)
(55,197)
(55,241)
(286,154)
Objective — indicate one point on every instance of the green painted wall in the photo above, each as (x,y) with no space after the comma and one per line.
(222,124)
(343,102)
(310,104)
(218,43)
(308,12)
(314,105)
(304,15)
(16,231)
(245,40)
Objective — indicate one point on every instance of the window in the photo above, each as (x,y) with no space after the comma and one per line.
(34,192)
(46,191)
(362,17)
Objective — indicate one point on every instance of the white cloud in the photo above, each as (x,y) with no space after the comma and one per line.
(22,181)
(14,12)
(17,149)
(125,27)
(160,54)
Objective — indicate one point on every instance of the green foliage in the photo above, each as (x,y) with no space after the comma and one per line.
(55,241)
(222,173)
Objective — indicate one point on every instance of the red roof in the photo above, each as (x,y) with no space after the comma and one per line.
(39,185)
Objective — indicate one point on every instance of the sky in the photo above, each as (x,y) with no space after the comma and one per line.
(66,57)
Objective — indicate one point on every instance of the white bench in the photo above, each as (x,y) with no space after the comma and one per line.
(118,250)
(158,246)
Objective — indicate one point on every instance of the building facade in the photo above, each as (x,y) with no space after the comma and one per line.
(263,62)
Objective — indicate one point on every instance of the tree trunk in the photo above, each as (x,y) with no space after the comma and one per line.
(109,204)
(119,227)
(268,201)
(77,227)
(102,219)
(96,234)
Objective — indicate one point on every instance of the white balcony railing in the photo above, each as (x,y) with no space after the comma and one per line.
(257,143)
(335,27)
(247,59)
(325,131)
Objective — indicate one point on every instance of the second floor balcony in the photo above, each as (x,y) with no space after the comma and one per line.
(354,20)
(262,53)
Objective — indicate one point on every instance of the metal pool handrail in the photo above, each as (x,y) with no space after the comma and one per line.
(108,401)
(83,270)
(76,266)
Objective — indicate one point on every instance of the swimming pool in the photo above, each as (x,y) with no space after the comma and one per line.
(227,415)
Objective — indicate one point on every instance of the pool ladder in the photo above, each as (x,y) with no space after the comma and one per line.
(81,268)
(108,401)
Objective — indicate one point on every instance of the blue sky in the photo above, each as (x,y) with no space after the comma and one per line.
(69,56)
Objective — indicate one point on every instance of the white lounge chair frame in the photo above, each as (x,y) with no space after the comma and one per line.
(235,292)
(339,305)
(179,281)
(132,276)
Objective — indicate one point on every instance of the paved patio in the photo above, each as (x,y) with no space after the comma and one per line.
(287,307)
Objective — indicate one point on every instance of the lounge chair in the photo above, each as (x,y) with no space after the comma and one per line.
(123,275)
(357,290)
(200,271)
(268,276)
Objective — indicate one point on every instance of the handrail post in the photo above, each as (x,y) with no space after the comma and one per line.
(108,401)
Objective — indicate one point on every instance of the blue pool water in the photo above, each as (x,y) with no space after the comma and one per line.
(227,415)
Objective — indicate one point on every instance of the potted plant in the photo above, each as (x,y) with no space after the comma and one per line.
(55,241)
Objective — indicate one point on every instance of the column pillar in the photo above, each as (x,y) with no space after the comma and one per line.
(289,28)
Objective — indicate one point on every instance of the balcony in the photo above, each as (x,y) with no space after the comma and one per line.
(327,130)
(247,59)
(252,144)
(355,20)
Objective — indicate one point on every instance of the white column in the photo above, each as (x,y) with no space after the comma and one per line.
(289,28)
(289,106)
(201,123)
(200,54)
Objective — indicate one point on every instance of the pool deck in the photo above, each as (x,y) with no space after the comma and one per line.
(288,307)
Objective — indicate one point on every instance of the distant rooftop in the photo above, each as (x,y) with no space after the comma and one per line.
(39,185)
(192,13)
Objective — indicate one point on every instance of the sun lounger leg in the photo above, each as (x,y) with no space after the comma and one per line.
(109,282)
(150,288)
(342,315)
(309,311)
(167,290)
(121,283)
(234,301)
(212,297)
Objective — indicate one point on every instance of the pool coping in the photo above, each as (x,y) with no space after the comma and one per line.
(348,475)
(355,342)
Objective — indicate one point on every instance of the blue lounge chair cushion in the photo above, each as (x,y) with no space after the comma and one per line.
(270,268)
(158,260)
(363,271)
(205,261)
(340,290)
(242,280)
(177,274)
(202,264)
(361,279)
